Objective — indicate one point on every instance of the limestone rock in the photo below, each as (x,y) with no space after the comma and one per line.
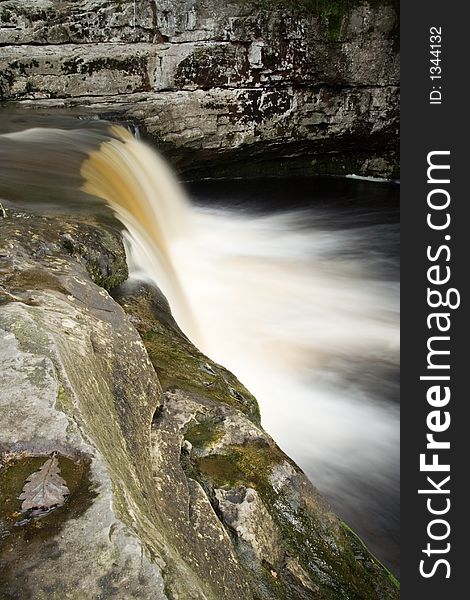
(77,380)
(176,491)
(285,537)
(246,78)
(244,512)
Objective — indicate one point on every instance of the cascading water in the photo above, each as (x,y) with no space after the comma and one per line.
(143,193)
(279,299)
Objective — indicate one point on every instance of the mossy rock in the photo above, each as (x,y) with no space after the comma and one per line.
(94,242)
(165,491)
(322,561)
(179,364)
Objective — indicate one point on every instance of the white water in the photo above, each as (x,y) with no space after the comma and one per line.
(271,301)
(275,305)
(296,315)
(298,319)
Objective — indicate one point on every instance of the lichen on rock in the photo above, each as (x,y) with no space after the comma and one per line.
(312,85)
(183,494)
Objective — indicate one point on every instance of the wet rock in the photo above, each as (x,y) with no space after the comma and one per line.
(48,378)
(285,538)
(177,361)
(176,491)
(78,381)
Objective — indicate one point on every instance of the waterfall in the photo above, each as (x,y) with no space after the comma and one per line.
(146,197)
(280,300)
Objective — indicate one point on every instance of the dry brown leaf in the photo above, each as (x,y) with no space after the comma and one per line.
(44,488)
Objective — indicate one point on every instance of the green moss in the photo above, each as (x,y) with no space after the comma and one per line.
(333,558)
(178,363)
(103,254)
(13,476)
(331,12)
(358,541)
(314,7)
(24,536)
(203,434)
(222,470)
(32,279)
(95,242)
(63,400)
(322,551)
(30,335)
(249,465)
(330,557)
(304,534)
(108,282)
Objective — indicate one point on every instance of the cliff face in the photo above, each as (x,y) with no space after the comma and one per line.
(217,84)
(176,491)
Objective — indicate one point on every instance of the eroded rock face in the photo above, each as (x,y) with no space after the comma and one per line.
(59,337)
(176,491)
(77,380)
(286,539)
(213,82)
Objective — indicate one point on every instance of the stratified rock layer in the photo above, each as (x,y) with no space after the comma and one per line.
(177,492)
(313,84)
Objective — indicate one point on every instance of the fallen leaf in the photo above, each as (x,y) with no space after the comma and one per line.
(44,488)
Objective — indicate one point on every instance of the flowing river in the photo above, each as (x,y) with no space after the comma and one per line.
(301,301)
(292,284)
